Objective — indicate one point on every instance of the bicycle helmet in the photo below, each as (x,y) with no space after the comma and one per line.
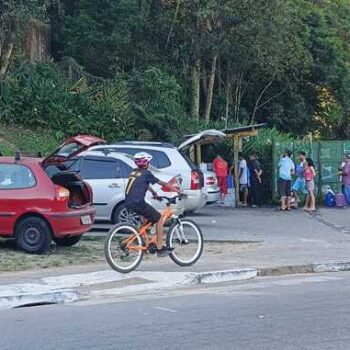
(142,159)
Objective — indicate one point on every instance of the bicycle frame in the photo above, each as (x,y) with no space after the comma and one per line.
(148,240)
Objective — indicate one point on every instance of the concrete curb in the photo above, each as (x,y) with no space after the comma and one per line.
(222,276)
(20,299)
(65,289)
(335,266)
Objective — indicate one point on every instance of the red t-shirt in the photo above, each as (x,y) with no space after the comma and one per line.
(220,167)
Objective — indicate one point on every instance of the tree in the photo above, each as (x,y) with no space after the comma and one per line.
(13,16)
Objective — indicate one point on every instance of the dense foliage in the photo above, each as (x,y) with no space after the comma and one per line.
(155,69)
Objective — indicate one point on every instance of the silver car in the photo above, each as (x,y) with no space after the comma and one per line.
(107,173)
(211,187)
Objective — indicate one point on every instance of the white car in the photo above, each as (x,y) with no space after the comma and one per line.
(167,158)
(107,171)
(173,160)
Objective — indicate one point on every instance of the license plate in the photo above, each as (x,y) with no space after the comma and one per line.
(86,220)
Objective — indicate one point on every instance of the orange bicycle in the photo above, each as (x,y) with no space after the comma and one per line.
(126,245)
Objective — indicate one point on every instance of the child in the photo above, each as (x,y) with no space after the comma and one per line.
(310,174)
(139,182)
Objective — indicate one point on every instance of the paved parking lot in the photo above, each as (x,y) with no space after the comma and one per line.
(266,237)
(235,238)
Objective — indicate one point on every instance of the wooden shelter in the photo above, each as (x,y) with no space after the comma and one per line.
(235,134)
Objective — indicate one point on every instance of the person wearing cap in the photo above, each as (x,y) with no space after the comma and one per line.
(139,182)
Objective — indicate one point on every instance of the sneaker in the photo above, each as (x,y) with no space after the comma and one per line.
(164,251)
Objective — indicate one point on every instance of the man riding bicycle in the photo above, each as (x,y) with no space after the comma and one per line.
(139,182)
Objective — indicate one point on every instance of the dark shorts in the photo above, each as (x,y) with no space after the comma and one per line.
(222,183)
(146,210)
(243,188)
(285,188)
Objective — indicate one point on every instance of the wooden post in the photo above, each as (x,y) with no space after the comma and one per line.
(198,154)
(236,154)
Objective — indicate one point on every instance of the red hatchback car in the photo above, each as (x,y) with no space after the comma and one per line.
(41,200)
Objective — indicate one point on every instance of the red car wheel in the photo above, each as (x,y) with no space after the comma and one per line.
(33,235)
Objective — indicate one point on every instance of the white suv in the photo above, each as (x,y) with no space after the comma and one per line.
(107,174)
(167,157)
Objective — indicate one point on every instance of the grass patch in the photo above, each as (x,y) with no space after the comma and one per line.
(13,138)
(87,251)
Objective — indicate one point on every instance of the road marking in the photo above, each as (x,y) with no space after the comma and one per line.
(165,309)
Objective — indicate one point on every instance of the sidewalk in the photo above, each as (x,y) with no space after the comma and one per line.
(262,240)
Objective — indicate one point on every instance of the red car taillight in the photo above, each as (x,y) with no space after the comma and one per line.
(62,194)
(195,180)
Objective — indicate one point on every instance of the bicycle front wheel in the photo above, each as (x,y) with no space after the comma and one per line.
(123,248)
(186,241)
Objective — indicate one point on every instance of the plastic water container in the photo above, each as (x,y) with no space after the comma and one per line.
(330,200)
(230,200)
(340,200)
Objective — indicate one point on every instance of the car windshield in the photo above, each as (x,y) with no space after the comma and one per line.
(68,149)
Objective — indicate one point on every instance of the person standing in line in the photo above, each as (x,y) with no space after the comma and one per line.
(310,174)
(286,170)
(299,186)
(220,168)
(255,180)
(341,173)
(346,179)
(243,179)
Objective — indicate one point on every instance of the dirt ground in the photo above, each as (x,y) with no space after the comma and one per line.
(88,251)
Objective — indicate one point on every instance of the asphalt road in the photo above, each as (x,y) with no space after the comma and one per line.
(296,312)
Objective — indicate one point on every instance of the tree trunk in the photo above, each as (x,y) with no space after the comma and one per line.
(256,106)
(228,93)
(5,59)
(204,83)
(209,100)
(173,23)
(195,90)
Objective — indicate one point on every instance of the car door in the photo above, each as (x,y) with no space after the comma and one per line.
(18,189)
(71,148)
(106,177)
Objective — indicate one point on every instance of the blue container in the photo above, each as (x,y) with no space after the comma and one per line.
(329,200)
(230,181)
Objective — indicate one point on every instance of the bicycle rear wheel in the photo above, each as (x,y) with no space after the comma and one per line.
(123,248)
(186,240)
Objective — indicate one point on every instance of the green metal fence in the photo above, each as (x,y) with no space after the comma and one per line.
(327,156)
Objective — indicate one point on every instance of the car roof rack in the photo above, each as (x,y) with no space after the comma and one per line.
(144,143)
(19,154)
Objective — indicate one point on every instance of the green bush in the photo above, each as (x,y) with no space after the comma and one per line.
(144,105)
(41,96)
(157,100)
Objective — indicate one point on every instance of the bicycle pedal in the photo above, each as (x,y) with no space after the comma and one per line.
(152,249)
